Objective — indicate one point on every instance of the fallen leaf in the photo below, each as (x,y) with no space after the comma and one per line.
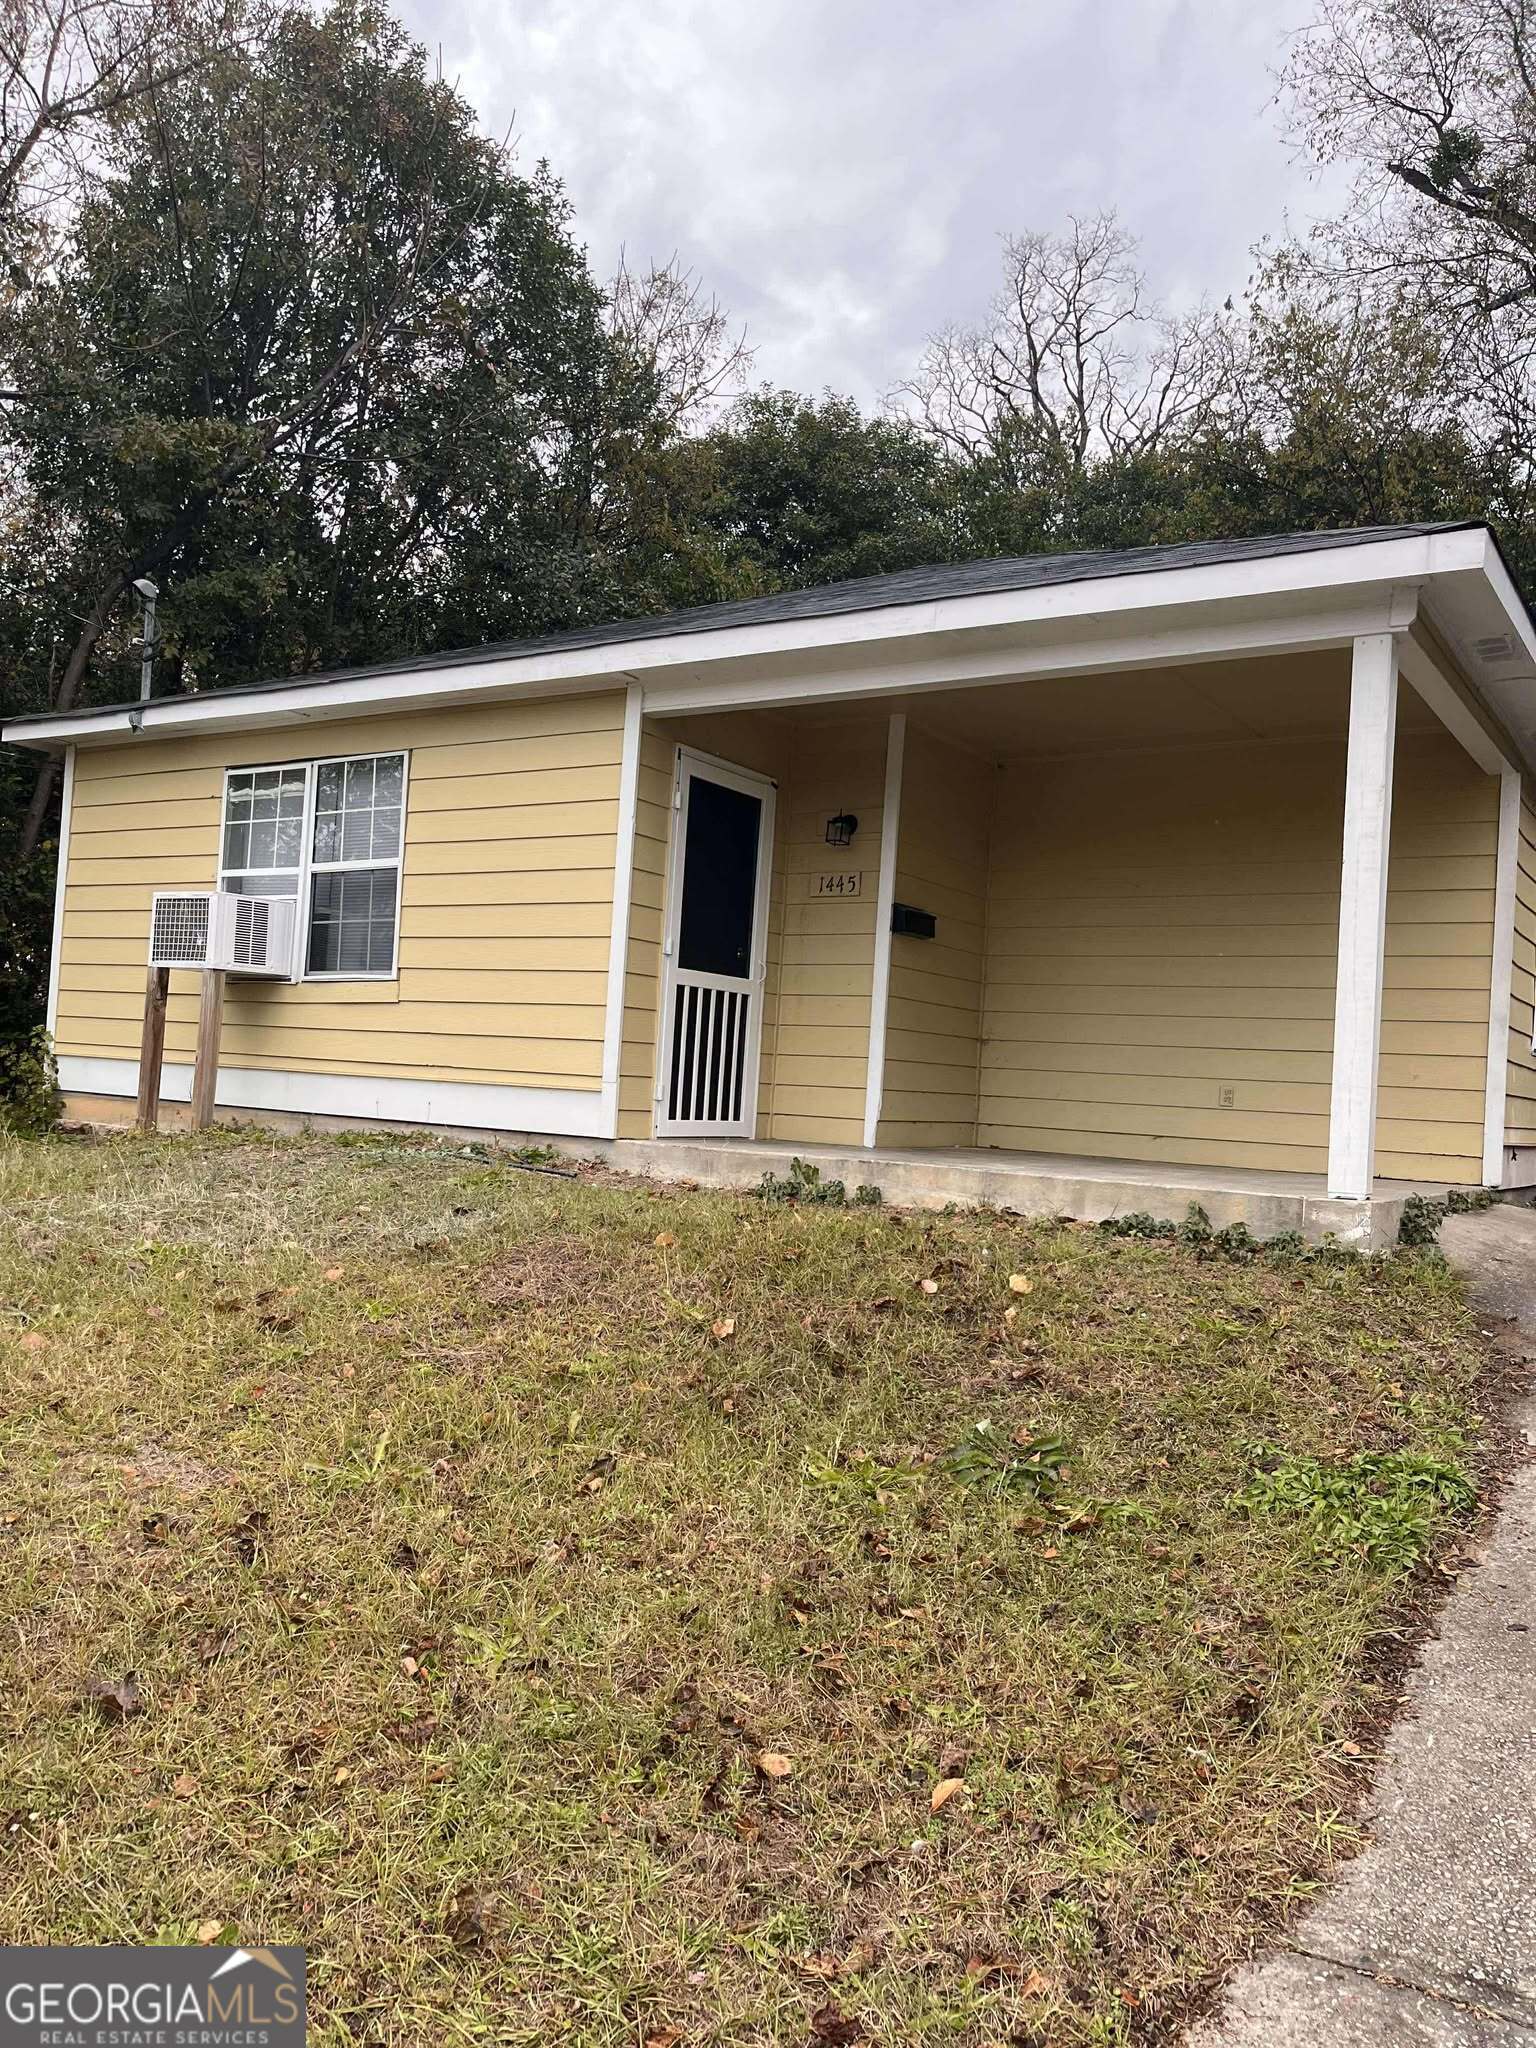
(208,1932)
(981,1969)
(1020,1283)
(773,1764)
(117,1697)
(823,1967)
(830,2023)
(664,2037)
(943,1792)
(723,1330)
(185,1785)
(468,1920)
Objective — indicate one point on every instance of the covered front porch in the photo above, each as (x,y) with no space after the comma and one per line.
(1232,930)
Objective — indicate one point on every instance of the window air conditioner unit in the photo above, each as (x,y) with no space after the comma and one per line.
(214,928)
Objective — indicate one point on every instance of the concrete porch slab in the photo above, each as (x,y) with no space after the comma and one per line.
(1041,1184)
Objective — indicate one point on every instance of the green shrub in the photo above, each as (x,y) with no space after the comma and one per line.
(1002,1465)
(803,1183)
(30,1100)
(1379,1505)
(1422,1217)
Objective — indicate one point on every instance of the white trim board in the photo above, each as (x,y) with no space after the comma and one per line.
(885,900)
(623,889)
(557,1112)
(1500,979)
(1362,918)
(66,819)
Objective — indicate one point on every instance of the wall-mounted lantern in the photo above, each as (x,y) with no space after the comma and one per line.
(840,830)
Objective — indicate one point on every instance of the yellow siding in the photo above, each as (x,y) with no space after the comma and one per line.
(1164,926)
(933,1024)
(1430,1114)
(507,899)
(1520,1109)
(826,976)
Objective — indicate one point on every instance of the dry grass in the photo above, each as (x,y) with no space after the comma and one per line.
(469,1562)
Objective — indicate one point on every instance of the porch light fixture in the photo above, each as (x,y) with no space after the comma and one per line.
(840,830)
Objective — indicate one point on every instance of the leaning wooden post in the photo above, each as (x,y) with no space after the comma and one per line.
(152,1046)
(205,1074)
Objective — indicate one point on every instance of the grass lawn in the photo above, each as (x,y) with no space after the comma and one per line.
(559,1605)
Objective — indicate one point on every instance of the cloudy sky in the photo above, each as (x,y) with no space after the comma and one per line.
(838,172)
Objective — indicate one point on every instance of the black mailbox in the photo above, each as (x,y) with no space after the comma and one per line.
(911,923)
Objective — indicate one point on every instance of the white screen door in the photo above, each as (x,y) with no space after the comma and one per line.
(715,952)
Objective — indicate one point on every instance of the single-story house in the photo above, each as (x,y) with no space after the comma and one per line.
(1074,882)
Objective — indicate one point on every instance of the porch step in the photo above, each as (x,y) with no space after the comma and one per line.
(1040,1184)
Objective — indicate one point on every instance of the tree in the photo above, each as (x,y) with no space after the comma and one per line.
(1074,363)
(678,338)
(317,356)
(801,491)
(67,67)
(1433,102)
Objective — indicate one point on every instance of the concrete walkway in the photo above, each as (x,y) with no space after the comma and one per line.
(1429,1939)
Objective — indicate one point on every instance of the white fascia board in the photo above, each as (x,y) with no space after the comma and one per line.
(1253,579)
(1121,646)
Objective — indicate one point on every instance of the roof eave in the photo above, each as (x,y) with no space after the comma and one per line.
(697,669)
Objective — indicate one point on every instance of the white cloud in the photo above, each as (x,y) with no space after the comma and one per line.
(839,174)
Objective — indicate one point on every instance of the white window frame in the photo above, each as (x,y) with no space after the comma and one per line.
(306,868)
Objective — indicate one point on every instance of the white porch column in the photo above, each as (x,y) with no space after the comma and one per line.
(885,897)
(1362,917)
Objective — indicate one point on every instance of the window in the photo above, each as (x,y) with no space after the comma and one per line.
(264,831)
(329,832)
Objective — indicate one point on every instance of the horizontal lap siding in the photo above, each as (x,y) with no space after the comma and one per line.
(1165,925)
(1439,943)
(1520,1112)
(507,899)
(933,1025)
(827,950)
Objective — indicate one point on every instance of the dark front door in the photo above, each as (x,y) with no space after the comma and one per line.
(714,969)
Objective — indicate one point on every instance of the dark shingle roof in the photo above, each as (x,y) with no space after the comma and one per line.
(863,593)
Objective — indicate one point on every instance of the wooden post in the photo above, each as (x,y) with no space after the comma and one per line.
(152,1046)
(205,1074)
